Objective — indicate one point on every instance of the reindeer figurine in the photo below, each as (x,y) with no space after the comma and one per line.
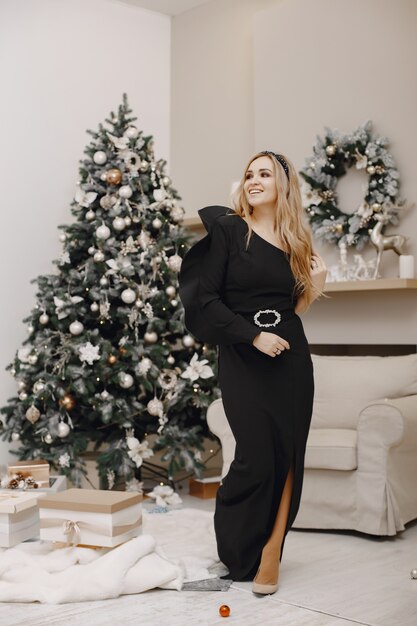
(385,242)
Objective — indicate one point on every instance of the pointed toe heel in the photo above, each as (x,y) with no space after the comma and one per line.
(263,588)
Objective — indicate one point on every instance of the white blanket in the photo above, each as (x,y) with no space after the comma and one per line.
(175,547)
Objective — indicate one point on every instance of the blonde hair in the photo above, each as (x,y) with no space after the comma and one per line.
(290,224)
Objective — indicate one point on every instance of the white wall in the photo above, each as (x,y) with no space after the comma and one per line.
(64,67)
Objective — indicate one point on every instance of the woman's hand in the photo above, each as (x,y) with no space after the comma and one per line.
(318,271)
(270,344)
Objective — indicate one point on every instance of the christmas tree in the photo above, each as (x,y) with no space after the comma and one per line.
(108,362)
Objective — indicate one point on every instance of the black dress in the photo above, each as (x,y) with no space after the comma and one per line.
(267,400)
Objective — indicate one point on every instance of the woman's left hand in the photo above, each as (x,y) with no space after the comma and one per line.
(318,270)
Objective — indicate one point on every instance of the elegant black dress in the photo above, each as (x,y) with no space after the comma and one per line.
(226,292)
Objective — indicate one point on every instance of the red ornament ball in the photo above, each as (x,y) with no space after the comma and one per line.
(224,610)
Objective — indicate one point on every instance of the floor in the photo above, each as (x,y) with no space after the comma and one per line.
(327,579)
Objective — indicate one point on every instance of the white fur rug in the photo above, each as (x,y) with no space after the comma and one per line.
(175,547)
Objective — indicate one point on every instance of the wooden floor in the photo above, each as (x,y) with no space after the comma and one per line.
(327,579)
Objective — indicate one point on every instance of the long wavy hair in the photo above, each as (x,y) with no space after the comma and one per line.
(290,223)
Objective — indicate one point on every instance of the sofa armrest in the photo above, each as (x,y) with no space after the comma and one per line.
(390,422)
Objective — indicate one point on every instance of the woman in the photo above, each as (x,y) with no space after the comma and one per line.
(242,287)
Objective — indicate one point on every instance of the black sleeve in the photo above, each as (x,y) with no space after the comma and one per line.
(230,327)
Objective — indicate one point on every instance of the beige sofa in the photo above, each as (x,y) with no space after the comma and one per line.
(361,455)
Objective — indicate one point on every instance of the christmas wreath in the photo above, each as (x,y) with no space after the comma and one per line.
(333,156)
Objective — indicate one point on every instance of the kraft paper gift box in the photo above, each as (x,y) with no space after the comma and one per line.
(38,469)
(92,517)
(19,517)
(204,487)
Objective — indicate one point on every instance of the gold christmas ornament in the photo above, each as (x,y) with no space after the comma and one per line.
(114,176)
(112,359)
(67,402)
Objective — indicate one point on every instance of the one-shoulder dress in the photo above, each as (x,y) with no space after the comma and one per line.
(227,292)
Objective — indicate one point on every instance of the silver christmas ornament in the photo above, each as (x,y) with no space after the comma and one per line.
(125,191)
(90,215)
(188,341)
(125,380)
(39,386)
(170,290)
(76,328)
(33,359)
(155,406)
(63,429)
(103,232)
(15,436)
(32,414)
(119,223)
(151,336)
(128,296)
(94,307)
(99,256)
(156,223)
(100,157)
(413,573)
(48,438)
(131,132)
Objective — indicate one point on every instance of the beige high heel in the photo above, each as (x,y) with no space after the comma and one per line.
(263,588)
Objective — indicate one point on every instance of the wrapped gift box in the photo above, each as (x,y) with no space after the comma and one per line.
(39,470)
(19,517)
(92,517)
(204,487)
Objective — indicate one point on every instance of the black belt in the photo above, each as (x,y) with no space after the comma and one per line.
(269,317)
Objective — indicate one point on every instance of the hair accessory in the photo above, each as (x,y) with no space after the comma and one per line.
(280,159)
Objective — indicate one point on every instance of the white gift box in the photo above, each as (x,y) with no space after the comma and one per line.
(19,517)
(92,517)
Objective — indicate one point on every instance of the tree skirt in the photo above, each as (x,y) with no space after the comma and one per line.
(175,549)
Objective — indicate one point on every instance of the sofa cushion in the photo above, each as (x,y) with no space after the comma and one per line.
(344,385)
(331,448)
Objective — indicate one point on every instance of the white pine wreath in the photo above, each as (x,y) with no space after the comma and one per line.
(332,157)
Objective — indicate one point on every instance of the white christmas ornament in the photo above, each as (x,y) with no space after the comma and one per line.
(155,407)
(99,256)
(125,380)
(170,290)
(15,436)
(85,198)
(138,451)
(125,191)
(23,396)
(76,328)
(44,318)
(171,360)
(104,281)
(91,250)
(128,221)
(174,262)
(62,237)
(100,157)
(128,296)
(94,307)
(159,194)
(103,232)
(188,341)
(32,359)
(90,215)
(103,176)
(156,223)
(197,369)
(119,223)
(48,438)
(63,429)
(151,336)
(131,132)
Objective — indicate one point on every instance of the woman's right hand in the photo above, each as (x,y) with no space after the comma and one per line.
(269,342)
